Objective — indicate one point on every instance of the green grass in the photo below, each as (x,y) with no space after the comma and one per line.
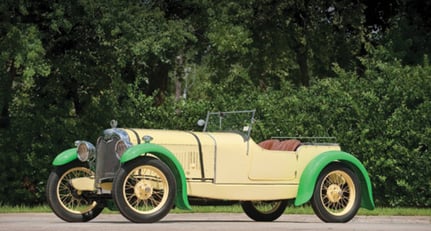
(24,209)
(309,210)
(237,209)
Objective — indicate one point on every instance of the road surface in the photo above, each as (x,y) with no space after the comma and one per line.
(210,221)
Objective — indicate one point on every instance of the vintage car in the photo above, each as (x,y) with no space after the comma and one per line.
(144,173)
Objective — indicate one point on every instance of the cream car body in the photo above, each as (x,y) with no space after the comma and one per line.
(216,164)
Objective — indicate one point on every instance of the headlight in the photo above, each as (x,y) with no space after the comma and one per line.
(120,148)
(86,150)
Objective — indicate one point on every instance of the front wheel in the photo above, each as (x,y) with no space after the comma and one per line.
(337,194)
(144,190)
(264,210)
(65,201)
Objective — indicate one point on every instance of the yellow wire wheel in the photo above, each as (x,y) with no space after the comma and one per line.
(264,210)
(67,202)
(144,190)
(336,195)
(70,199)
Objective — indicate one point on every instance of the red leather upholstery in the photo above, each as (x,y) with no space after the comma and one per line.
(285,145)
(268,144)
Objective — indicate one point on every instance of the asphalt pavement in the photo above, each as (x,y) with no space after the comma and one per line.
(211,221)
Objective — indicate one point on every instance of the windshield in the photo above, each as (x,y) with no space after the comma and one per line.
(233,121)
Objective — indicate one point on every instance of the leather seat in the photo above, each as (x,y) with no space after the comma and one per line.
(285,145)
(269,144)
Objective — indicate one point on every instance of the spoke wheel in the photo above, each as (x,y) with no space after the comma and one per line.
(66,202)
(336,196)
(264,210)
(144,190)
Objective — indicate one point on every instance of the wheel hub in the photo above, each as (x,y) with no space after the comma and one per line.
(334,193)
(143,190)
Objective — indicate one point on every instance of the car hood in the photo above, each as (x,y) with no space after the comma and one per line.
(176,137)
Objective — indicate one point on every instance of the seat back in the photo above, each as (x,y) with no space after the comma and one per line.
(285,145)
(268,144)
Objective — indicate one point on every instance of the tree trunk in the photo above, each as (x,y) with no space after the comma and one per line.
(158,81)
(178,76)
(302,59)
(6,95)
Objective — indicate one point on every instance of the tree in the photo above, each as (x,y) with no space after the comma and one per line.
(301,39)
(403,26)
(273,40)
(22,56)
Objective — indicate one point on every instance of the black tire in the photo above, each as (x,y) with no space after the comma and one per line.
(66,202)
(264,210)
(337,194)
(144,190)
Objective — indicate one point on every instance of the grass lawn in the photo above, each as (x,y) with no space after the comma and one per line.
(237,209)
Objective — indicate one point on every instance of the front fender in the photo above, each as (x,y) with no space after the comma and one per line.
(312,170)
(181,201)
(65,157)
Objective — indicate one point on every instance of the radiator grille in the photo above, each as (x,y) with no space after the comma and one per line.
(107,163)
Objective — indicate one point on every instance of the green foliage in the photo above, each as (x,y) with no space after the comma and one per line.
(316,69)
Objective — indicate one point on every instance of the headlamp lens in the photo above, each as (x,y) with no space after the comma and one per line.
(85,150)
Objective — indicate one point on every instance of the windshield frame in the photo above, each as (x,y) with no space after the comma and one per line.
(221,117)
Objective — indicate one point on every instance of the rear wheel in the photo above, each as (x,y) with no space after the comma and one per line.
(65,201)
(337,194)
(144,190)
(264,210)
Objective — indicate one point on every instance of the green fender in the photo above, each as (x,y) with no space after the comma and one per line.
(65,157)
(181,201)
(312,170)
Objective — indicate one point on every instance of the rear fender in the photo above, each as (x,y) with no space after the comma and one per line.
(312,170)
(181,200)
(65,157)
